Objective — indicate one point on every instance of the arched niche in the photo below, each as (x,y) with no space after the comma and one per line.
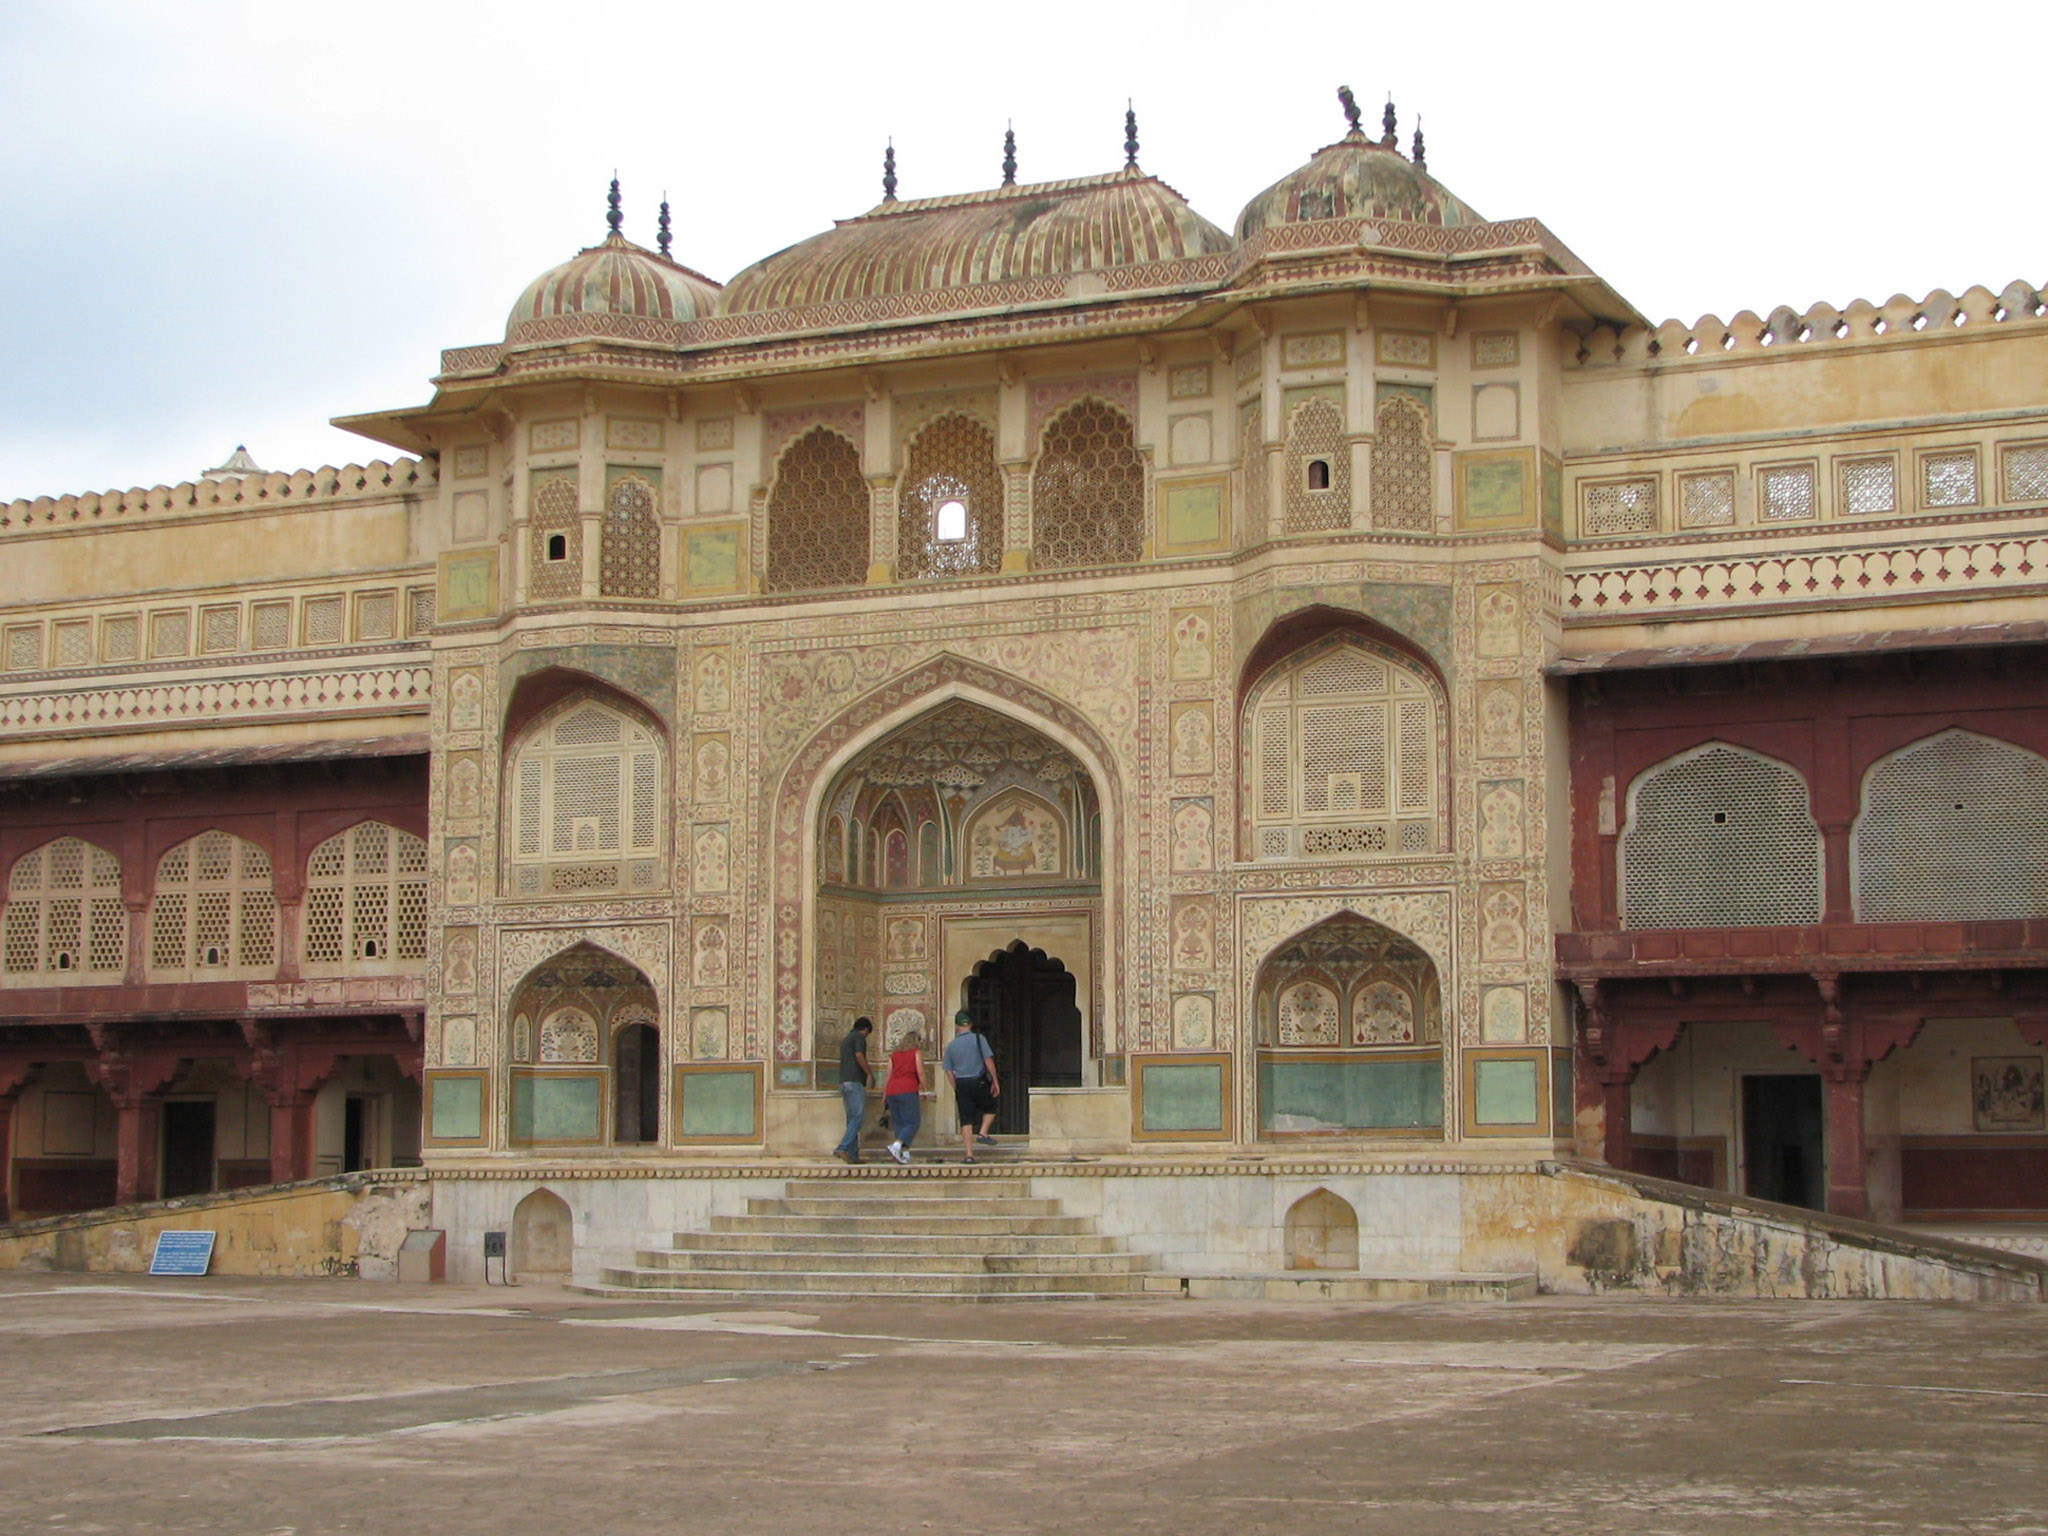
(1025,1002)
(1720,836)
(1349,1034)
(543,1236)
(582,1046)
(1953,827)
(1321,1232)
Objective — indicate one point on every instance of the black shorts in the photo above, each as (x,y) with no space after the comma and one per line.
(976,1101)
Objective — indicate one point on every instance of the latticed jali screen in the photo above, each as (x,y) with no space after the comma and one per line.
(586,811)
(629,550)
(1954,829)
(366,900)
(1315,434)
(1619,506)
(554,516)
(1088,491)
(818,516)
(1403,467)
(213,909)
(1344,758)
(953,459)
(1722,838)
(65,921)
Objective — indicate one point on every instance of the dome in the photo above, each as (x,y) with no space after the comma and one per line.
(1356,178)
(598,288)
(1052,229)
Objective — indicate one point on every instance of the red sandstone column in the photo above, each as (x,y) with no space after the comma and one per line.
(7,1102)
(1847,1154)
(291,1136)
(1837,900)
(136,1127)
(1618,1148)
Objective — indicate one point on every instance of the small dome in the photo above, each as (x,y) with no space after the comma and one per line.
(605,284)
(1355,178)
(1050,229)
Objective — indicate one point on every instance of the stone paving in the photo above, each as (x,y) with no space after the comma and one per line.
(273,1407)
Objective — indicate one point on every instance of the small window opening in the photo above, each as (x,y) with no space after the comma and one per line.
(1720,818)
(213,955)
(371,949)
(1319,474)
(952,521)
(66,960)
(558,546)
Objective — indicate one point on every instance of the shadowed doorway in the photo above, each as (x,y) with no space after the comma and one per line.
(1023,1000)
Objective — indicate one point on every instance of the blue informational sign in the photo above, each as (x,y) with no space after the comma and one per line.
(182,1253)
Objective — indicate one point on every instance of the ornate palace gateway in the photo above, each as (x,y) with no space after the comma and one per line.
(1344,691)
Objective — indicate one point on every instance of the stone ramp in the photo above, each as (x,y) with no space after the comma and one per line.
(1600,1229)
(928,1232)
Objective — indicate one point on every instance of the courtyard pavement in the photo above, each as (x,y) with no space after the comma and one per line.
(280,1406)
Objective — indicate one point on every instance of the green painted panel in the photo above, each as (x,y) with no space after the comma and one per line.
(714,559)
(458,1108)
(1562,1111)
(1504,1092)
(1361,1095)
(1182,1098)
(1194,514)
(718,1103)
(555,1109)
(1493,491)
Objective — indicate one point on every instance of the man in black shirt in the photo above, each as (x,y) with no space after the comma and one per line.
(853,1086)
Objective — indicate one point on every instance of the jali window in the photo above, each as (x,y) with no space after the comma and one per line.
(1953,829)
(65,922)
(1088,491)
(585,808)
(818,516)
(950,517)
(629,547)
(366,901)
(214,914)
(1345,755)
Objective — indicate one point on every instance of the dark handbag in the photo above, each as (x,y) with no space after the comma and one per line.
(882,1120)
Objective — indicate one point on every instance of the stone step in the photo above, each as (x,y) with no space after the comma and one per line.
(885,1242)
(823,1282)
(694,1261)
(909,1226)
(863,1204)
(908,1184)
(770,1297)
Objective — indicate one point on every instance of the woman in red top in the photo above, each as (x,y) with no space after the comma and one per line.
(904,1092)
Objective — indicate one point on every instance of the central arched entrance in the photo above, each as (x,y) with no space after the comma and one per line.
(959,863)
(583,1052)
(1023,1001)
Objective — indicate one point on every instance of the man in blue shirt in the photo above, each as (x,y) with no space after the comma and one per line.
(971,1063)
(853,1087)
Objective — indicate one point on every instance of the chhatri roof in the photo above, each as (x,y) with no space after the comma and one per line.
(604,289)
(1358,178)
(1048,229)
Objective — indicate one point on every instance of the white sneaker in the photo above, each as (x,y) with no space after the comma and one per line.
(896,1151)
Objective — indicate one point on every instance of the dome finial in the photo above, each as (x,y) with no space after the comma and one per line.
(612,215)
(664,239)
(1009,156)
(1130,134)
(889,173)
(1389,124)
(1421,160)
(1351,112)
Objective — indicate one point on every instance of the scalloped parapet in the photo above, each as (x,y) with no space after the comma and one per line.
(1859,322)
(349,483)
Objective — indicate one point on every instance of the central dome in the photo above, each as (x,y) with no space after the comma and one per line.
(1355,178)
(1050,229)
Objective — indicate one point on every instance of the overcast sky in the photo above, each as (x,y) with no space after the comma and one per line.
(227,222)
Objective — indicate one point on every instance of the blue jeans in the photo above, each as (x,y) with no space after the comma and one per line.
(906,1114)
(856,1096)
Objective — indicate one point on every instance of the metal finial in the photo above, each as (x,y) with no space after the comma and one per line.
(1130,134)
(1389,134)
(1421,160)
(612,215)
(1009,157)
(663,239)
(889,173)
(1351,112)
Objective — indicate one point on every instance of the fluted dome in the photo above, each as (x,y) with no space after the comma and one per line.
(605,285)
(1355,178)
(1049,230)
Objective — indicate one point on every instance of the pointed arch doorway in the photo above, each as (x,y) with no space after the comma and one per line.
(1025,1002)
(950,849)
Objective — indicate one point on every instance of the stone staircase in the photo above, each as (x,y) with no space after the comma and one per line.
(934,1234)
